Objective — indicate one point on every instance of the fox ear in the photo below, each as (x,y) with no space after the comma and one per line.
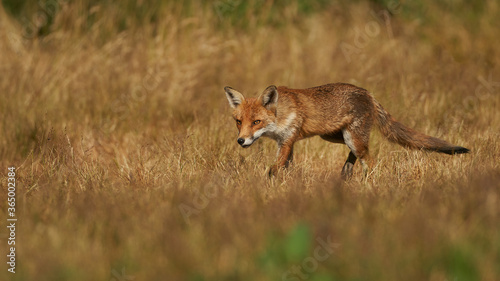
(270,96)
(234,97)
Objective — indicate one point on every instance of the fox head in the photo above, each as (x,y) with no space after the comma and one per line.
(254,116)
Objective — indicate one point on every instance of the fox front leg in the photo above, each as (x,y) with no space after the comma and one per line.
(285,157)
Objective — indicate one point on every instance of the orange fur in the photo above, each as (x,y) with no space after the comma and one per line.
(339,113)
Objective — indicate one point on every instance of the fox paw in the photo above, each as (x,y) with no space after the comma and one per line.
(273,171)
(346,173)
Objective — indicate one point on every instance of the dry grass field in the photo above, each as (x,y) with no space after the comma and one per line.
(127,166)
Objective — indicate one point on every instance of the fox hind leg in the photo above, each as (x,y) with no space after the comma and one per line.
(348,166)
(358,144)
(347,169)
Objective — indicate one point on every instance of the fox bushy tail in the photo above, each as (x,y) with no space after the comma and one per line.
(402,135)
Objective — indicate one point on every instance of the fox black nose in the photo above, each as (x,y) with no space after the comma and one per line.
(241,141)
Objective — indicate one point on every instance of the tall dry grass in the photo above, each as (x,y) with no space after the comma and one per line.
(127,164)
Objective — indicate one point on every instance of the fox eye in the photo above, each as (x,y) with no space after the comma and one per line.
(238,122)
(256,122)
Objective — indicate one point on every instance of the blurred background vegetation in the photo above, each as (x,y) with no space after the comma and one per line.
(237,13)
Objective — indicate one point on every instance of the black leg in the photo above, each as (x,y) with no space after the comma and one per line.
(349,164)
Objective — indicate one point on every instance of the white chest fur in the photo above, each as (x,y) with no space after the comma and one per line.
(283,129)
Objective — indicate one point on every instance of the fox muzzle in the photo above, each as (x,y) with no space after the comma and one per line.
(245,142)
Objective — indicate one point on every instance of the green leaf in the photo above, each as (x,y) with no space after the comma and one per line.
(298,243)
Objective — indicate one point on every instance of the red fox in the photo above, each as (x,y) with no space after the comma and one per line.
(338,113)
